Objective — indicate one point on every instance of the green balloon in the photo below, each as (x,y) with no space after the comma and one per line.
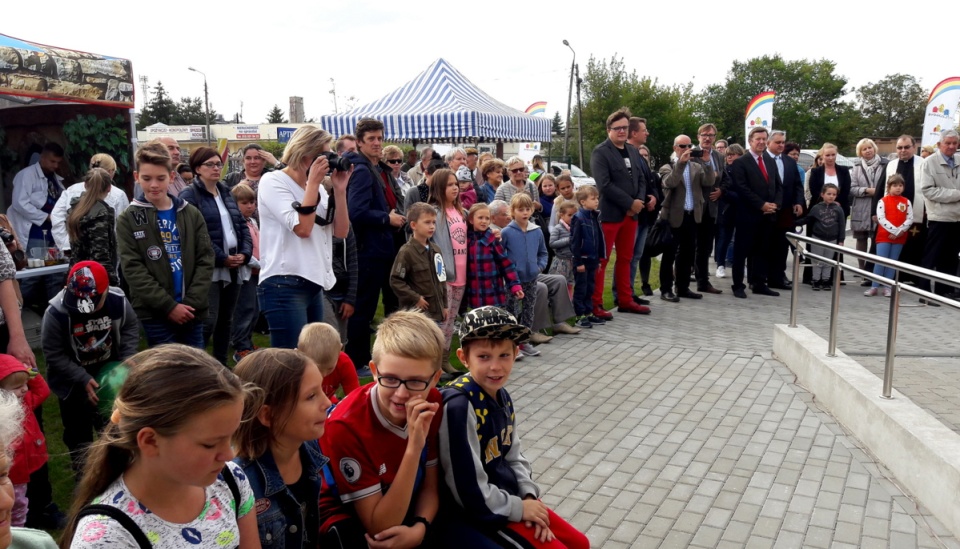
(110,377)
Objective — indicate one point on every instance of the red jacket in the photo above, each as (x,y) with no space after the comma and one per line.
(31,452)
(345,375)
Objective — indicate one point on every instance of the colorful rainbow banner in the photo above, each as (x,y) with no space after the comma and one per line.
(540,107)
(940,113)
(759,112)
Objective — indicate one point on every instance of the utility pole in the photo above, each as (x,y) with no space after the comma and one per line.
(333,92)
(566,129)
(206,100)
(579,116)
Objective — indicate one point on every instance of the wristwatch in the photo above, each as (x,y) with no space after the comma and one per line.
(415,520)
(279,166)
(303,210)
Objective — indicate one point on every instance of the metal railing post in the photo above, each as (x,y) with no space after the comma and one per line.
(891,341)
(795,289)
(834,310)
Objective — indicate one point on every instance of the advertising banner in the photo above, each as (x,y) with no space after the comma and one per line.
(759,113)
(941,110)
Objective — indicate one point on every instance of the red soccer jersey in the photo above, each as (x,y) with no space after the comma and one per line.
(344,374)
(365,449)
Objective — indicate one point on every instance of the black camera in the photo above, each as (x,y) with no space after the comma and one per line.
(696,152)
(337,162)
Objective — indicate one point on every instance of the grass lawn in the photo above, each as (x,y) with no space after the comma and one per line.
(61,476)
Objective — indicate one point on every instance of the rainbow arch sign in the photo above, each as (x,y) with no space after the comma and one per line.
(940,113)
(540,107)
(759,113)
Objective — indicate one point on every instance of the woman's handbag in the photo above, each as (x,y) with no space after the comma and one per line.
(659,238)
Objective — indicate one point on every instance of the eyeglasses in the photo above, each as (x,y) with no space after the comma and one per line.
(904,147)
(518,170)
(395,383)
(214,165)
(708,135)
(687,146)
(395,161)
(619,128)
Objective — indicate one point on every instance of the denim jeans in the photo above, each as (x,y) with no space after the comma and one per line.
(289,303)
(159,332)
(642,230)
(583,287)
(889,251)
(245,315)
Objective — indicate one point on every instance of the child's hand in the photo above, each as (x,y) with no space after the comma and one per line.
(419,415)
(423,305)
(535,513)
(91,388)
(582,269)
(181,314)
(519,294)
(397,537)
(543,534)
(497,233)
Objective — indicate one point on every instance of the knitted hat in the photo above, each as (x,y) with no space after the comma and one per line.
(86,282)
(492,323)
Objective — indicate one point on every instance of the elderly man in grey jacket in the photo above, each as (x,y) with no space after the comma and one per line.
(940,186)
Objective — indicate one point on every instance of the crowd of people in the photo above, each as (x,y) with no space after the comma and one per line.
(492,251)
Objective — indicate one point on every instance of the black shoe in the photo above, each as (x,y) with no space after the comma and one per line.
(689,295)
(709,289)
(929,302)
(782,285)
(669,296)
(640,301)
(763,290)
(740,293)
(647,290)
(827,285)
(816,285)
(866,283)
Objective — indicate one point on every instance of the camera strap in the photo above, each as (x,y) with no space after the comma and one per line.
(331,210)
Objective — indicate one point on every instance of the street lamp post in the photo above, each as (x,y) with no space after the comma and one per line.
(206,101)
(566,128)
(579,117)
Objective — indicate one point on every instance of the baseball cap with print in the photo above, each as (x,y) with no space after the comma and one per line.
(491,322)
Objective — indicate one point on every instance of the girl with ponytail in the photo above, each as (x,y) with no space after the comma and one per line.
(91,225)
(161,475)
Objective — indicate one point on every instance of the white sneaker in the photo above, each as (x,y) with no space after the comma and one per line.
(721,271)
(527,349)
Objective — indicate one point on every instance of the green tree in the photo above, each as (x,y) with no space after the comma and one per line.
(607,86)
(275,116)
(190,111)
(556,127)
(808,106)
(159,109)
(891,107)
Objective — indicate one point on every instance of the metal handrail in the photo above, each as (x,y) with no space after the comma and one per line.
(896,286)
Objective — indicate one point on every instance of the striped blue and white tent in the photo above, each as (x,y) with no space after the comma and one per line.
(441,105)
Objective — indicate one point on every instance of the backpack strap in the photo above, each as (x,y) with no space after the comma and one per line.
(122,518)
(231,481)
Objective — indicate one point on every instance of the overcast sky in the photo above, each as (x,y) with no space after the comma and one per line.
(262,54)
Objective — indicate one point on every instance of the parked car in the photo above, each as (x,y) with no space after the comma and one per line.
(807,156)
(579,177)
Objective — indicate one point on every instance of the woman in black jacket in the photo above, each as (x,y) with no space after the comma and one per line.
(231,241)
(829,172)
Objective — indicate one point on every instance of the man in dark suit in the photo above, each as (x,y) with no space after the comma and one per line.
(789,210)
(616,168)
(706,227)
(760,193)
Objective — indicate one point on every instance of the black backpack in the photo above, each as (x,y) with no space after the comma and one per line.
(130,526)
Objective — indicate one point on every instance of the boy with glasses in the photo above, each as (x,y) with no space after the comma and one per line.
(382,443)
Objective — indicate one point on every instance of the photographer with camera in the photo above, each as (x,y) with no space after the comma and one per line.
(298,221)
(376,213)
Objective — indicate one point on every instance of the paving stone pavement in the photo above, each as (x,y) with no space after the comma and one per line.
(679,430)
(933,383)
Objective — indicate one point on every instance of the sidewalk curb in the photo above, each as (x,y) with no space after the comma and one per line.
(921,452)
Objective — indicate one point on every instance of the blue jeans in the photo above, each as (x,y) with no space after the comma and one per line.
(289,303)
(245,315)
(583,287)
(889,251)
(159,332)
(642,230)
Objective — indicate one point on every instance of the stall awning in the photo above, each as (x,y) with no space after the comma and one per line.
(441,105)
(46,72)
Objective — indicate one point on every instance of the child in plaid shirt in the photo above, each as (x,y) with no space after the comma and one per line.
(488,265)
